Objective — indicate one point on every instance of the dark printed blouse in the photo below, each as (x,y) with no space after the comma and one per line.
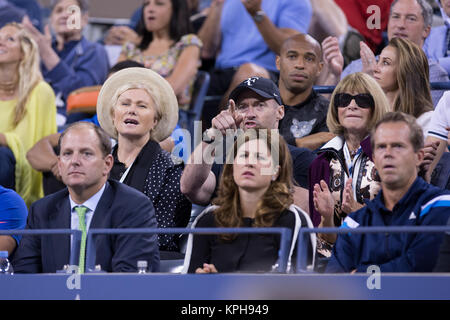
(156,175)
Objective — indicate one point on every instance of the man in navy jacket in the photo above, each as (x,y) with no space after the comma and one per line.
(405,200)
(84,162)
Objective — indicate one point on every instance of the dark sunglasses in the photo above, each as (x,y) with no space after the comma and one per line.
(363,100)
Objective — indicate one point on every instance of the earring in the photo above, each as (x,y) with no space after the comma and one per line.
(274,178)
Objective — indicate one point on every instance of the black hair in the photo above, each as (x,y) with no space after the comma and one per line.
(179,24)
(125,64)
(83,4)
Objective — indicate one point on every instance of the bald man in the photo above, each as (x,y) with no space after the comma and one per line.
(300,63)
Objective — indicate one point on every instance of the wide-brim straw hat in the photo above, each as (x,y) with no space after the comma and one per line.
(168,104)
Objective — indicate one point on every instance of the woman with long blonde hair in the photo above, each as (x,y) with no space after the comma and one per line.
(255,191)
(28,109)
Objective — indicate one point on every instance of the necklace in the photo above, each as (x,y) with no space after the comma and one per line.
(8,87)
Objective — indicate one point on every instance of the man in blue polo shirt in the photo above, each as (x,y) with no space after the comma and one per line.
(405,200)
(13,216)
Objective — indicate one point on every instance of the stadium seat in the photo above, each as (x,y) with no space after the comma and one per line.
(441,174)
(194,113)
(83,100)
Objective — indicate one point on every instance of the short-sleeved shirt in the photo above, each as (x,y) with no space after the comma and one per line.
(305,118)
(164,63)
(242,42)
(359,16)
(13,212)
(441,118)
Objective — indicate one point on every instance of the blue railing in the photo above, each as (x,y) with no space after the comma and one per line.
(433,85)
(329,89)
(302,256)
(283,254)
(285,242)
(42,232)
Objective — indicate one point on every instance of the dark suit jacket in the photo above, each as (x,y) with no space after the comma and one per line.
(119,207)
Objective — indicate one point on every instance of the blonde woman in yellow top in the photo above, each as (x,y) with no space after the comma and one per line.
(27,111)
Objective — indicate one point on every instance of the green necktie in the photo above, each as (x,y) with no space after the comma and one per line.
(81,211)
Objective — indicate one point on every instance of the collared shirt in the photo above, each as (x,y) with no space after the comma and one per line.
(440,119)
(90,203)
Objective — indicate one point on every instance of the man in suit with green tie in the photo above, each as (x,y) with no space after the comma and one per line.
(90,201)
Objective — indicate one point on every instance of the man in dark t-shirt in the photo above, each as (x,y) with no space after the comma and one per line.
(304,122)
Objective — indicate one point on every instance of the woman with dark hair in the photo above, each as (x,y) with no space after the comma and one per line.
(167,45)
(402,72)
(255,191)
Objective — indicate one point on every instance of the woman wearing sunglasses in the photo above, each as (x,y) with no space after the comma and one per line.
(402,72)
(343,174)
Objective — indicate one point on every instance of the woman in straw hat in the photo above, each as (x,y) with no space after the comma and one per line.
(138,108)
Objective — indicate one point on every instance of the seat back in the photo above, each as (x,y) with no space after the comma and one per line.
(83,100)
(441,174)
(194,113)
(312,236)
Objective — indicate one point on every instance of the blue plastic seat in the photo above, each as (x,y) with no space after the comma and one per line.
(187,118)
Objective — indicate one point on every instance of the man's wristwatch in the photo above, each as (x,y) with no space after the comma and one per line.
(207,138)
(258,16)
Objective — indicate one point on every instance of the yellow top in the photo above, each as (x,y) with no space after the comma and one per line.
(39,121)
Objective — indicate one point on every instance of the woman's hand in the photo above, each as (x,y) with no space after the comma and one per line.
(323,200)
(44,42)
(207,268)
(42,39)
(332,56)
(430,152)
(349,204)
(119,35)
(368,59)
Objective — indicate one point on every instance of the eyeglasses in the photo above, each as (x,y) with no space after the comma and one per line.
(363,100)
